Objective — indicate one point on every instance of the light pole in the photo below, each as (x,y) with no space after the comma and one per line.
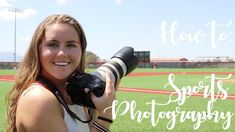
(15,10)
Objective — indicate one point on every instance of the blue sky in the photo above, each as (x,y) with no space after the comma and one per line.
(167,28)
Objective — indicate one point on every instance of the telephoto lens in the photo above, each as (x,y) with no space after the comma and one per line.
(122,63)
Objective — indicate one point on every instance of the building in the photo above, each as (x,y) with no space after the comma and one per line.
(144,58)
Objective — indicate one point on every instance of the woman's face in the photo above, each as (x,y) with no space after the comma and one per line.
(60,51)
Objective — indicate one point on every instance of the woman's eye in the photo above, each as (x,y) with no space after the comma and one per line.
(54,45)
(71,45)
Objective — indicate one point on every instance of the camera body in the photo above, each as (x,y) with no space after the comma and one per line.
(122,63)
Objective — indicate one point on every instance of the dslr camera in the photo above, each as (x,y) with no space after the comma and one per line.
(121,64)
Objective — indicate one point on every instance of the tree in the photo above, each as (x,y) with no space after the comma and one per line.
(91,57)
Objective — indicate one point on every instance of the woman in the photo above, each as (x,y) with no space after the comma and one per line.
(56,51)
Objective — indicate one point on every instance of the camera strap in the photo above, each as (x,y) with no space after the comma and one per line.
(51,87)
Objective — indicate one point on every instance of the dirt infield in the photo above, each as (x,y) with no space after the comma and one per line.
(7,78)
(229,81)
(10,78)
(179,73)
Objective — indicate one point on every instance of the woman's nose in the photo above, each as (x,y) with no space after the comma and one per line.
(62,52)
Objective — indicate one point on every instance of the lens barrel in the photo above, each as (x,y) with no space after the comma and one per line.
(121,64)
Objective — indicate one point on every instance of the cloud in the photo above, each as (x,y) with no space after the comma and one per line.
(9,14)
(62,2)
(5,14)
(119,2)
(4,3)
(27,13)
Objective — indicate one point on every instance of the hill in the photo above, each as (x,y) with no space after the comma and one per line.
(9,57)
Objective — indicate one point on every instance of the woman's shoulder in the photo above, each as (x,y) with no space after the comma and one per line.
(37,106)
(37,96)
(37,93)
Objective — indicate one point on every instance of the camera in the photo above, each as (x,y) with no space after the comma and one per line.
(121,64)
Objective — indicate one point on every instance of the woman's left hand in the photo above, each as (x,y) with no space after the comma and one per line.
(107,98)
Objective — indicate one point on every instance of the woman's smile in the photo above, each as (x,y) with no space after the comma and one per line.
(61,63)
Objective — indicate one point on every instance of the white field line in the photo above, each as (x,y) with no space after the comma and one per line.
(7,80)
(163,92)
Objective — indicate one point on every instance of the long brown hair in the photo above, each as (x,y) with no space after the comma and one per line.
(30,66)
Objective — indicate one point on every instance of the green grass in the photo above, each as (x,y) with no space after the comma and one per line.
(197,104)
(124,122)
(185,70)
(179,70)
(158,82)
(4,88)
(7,72)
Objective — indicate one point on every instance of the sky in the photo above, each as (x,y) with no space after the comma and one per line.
(166,28)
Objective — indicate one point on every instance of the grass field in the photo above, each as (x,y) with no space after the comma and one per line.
(4,87)
(193,105)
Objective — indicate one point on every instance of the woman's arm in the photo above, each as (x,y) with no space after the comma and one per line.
(39,111)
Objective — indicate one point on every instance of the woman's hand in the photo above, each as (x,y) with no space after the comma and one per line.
(106,100)
(102,103)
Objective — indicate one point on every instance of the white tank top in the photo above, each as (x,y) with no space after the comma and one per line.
(74,125)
